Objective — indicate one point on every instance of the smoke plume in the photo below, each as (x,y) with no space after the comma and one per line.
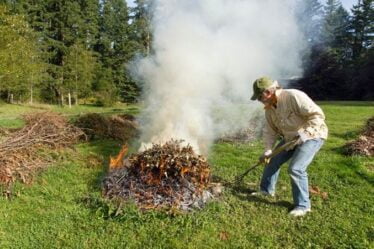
(206,54)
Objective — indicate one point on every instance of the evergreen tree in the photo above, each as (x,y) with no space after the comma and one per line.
(325,78)
(362,27)
(361,85)
(60,25)
(79,67)
(106,93)
(335,30)
(310,14)
(330,21)
(90,28)
(116,47)
(341,31)
(141,25)
(68,22)
(361,68)
(113,32)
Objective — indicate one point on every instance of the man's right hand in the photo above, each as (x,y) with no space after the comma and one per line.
(265,157)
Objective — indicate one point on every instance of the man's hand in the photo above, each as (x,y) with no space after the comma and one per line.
(265,157)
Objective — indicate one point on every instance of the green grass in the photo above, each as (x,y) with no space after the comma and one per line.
(63,207)
(10,115)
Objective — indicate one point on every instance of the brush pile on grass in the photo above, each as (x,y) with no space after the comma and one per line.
(243,135)
(120,127)
(164,176)
(364,145)
(20,153)
(3,132)
(246,134)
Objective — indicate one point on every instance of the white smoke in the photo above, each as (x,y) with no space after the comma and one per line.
(207,53)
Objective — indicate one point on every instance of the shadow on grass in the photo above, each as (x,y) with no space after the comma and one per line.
(354,166)
(347,103)
(103,149)
(244,194)
(349,135)
(341,150)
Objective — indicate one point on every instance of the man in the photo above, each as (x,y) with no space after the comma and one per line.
(290,114)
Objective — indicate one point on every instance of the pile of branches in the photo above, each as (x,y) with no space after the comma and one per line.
(3,132)
(364,145)
(120,127)
(243,135)
(250,132)
(164,176)
(20,153)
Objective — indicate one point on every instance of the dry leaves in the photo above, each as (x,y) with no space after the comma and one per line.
(364,145)
(315,190)
(223,235)
(167,176)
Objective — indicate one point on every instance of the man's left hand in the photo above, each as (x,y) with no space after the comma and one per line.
(265,157)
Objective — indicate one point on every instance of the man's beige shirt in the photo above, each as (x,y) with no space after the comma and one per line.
(294,112)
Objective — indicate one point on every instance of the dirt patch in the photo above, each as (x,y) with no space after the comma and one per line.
(164,176)
(364,144)
(120,127)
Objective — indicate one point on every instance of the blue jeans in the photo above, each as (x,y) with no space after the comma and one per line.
(301,156)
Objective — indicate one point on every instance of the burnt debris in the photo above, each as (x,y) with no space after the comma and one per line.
(164,176)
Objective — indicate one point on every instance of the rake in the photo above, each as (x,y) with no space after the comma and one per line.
(277,150)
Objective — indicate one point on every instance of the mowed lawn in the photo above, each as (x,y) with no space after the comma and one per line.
(63,207)
(11,115)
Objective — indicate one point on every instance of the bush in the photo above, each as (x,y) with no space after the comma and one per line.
(105,99)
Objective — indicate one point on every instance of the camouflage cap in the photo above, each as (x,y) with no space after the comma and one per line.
(260,85)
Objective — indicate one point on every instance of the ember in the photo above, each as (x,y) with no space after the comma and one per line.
(164,176)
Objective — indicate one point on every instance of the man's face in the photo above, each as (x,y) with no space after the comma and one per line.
(266,97)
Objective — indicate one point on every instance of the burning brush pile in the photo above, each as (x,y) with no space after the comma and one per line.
(20,153)
(164,176)
(364,145)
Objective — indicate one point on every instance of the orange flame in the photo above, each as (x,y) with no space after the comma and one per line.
(117,162)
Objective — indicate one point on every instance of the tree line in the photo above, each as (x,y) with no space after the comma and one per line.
(63,51)
(339,64)
(78,51)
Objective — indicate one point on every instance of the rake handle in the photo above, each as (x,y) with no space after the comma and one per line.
(240,177)
(273,154)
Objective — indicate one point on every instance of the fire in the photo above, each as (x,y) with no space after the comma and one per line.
(167,175)
(117,162)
